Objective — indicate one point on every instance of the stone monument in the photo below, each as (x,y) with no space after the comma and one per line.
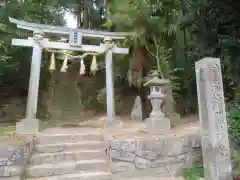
(136,113)
(215,142)
(157,121)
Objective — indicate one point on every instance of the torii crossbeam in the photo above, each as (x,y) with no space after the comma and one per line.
(30,125)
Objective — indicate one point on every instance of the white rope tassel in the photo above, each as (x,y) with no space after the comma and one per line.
(94,66)
(82,68)
(52,66)
(64,65)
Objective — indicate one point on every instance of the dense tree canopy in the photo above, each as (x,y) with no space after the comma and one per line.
(176,33)
(169,36)
(15,60)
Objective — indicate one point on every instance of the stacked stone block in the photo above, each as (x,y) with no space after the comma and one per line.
(13,160)
(164,156)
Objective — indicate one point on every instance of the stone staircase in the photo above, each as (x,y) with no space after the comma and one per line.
(72,154)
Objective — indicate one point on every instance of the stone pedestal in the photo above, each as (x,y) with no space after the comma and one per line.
(28,126)
(157,121)
(113,124)
(158,126)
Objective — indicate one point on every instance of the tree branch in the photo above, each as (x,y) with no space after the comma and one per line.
(149,51)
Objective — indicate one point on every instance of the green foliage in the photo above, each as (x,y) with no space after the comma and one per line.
(236,163)
(158,26)
(175,33)
(193,173)
(180,32)
(234,122)
(88,12)
(15,61)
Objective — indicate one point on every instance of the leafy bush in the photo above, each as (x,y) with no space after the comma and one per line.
(194,173)
(235,156)
(234,122)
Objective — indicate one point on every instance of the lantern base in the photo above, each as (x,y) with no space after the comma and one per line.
(158,125)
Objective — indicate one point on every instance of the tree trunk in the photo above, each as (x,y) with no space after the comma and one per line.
(79,17)
(86,13)
(137,71)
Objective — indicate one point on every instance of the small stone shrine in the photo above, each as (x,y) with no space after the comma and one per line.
(136,113)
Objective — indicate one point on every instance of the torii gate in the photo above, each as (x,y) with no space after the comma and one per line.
(30,125)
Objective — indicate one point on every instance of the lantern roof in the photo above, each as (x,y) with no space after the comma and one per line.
(156,81)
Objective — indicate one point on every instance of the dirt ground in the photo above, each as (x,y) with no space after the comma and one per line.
(99,121)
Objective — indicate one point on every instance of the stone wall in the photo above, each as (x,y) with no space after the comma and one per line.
(13,159)
(164,156)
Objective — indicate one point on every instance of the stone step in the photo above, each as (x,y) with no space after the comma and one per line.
(126,173)
(150,178)
(68,138)
(68,167)
(58,157)
(154,178)
(100,175)
(61,147)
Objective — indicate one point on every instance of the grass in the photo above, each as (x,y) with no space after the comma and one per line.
(6,138)
(7,129)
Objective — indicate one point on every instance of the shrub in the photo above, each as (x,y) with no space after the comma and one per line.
(233,116)
(193,173)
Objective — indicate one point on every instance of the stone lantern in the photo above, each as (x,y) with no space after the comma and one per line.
(157,121)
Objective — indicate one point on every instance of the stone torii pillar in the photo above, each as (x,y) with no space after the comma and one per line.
(109,82)
(30,125)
